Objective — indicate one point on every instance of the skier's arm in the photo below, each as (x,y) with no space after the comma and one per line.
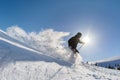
(81,42)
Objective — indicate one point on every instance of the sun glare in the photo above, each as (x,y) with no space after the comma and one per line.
(86,40)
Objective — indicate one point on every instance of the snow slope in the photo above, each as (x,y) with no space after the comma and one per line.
(20,62)
(13,51)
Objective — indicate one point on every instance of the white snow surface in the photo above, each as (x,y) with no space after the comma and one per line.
(18,61)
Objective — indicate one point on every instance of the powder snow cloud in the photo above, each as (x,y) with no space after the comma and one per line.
(47,41)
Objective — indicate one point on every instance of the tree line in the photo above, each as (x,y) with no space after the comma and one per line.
(115,66)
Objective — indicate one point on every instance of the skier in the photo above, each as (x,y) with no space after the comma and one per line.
(73,41)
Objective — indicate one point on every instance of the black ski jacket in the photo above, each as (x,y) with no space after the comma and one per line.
(72,42)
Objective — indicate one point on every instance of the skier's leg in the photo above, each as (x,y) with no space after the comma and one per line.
(76,50)
(72,49)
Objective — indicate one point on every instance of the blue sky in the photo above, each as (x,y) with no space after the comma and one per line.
(99,18)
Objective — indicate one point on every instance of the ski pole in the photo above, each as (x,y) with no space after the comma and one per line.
(80,47)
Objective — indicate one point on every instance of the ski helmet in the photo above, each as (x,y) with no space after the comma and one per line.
(79,34)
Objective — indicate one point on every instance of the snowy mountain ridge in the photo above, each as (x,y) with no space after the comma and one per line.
(20,62)
(107,60)
(113,63)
